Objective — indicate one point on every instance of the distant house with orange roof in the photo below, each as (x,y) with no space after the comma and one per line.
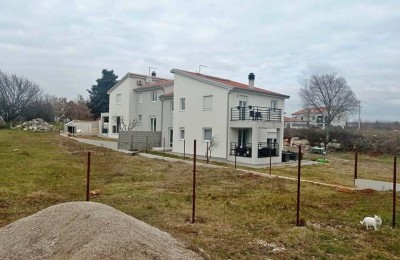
(316,117)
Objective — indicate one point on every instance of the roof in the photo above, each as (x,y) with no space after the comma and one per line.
(309,110)
(133,75)
(161,83)
(227,82)
(289,119)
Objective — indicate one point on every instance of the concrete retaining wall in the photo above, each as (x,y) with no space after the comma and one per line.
(136,140)
(376,185)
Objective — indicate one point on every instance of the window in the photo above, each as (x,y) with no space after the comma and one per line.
(207,135)
(140,98)
(140,118)
(274,104)
(172,106)
(119,97)
(182,103)
(105,119)
(207,102)
(313,118)
(301,118)
(153,124)
(182,133)
(154,96)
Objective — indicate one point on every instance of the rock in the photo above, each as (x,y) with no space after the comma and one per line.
(95,192)
(35,125)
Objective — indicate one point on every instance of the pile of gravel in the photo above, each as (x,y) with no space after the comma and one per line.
(87,230)
(35,125)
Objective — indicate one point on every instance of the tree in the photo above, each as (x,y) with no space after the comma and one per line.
(16,93)
(98,97)
(330,95)
(40,108)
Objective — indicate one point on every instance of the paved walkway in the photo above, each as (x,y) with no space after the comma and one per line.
(114,146)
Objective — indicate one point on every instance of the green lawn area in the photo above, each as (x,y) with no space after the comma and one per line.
(239,215)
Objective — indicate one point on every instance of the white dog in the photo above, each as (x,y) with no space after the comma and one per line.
(375,222)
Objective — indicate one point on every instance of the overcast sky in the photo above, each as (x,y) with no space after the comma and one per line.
(64,45)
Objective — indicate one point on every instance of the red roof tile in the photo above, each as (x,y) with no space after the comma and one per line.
(310,110)
(231,83)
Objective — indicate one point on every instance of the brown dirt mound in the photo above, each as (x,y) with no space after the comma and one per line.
(87,230)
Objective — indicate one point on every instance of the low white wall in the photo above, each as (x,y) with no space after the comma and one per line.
(376,185)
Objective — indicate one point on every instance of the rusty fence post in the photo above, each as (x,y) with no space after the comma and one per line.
(355,166)
(184,149)
(298,188)
(147,140)
(235,154)
(88,178)
(194,183)
(394,192)
(270,162)
(207,153)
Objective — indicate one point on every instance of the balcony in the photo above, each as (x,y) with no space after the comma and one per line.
(256,113)
(264,150)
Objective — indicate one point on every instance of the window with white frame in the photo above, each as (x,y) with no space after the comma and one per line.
(154,96)
(182,104)
(172,106)
(153,124)
(140,118)
(207,134)
(182,133)
(207,102)
(119,98)
(140,98)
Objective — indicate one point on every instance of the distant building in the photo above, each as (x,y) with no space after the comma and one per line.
(295,123)
(317,118)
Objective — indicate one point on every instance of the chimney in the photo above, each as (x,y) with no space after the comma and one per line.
(251,81)
(153,74)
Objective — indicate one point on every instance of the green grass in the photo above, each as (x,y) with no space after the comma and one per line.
(239,215)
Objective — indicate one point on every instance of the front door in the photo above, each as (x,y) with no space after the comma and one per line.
(242,137)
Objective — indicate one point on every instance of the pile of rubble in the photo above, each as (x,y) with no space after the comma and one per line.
(35,125)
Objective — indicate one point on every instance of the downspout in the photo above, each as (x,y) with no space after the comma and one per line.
(227,126)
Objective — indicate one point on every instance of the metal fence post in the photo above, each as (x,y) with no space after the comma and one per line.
(184,148)
(235,155)
(207,153)
(298,188)
(88,178)
(194,182)
(164,145)
(270,161)
(355,166)
(394,192)
(147,139)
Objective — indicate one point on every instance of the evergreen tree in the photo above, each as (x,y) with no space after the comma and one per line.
(98,97)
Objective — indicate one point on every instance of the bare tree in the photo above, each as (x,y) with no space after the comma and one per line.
(16,93)
(211,146)
(129,126)
(330,95)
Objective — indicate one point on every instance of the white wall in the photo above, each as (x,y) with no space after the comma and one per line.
(148,109)
(124,109)
(194,118)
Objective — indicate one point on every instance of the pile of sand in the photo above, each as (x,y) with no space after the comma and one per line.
(87,230)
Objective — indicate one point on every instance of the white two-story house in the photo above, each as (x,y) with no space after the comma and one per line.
(316,118)
(135,98)
(235,117)
(232,117)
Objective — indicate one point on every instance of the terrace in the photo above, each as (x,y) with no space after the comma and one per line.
(256,113)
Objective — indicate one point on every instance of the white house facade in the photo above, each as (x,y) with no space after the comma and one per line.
(135,98)
(231,117)
(237,118)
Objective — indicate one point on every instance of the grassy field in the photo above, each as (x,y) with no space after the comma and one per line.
(239,215)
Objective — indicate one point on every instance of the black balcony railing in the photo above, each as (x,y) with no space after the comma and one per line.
(241,150)
(264,150)
(256,113)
